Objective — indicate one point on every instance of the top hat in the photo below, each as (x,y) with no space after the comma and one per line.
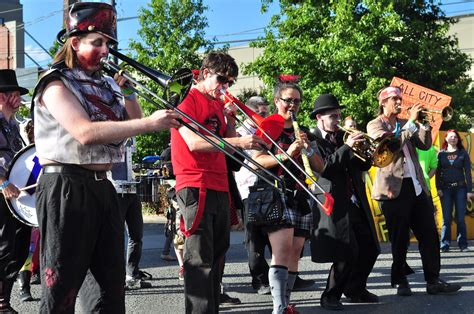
(323,103)
(8,82)
(90,17)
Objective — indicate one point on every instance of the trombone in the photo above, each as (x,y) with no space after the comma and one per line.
(181,88)
(257,120)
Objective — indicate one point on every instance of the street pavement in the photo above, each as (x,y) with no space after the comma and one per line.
(166,294)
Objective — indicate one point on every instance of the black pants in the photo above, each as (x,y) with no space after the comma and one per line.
(81,228)
(14,243)
(406,212)
(131,209)
(351,276)
(204,250)
(365,250)
(255,241)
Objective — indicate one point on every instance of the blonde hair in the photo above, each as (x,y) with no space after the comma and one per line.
(66,54)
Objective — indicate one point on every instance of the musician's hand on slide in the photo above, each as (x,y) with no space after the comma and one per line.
(354,138)
(10,191)
(295,148)
(251,142)
(164,119)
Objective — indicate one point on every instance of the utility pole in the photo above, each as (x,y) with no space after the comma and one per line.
(114,58)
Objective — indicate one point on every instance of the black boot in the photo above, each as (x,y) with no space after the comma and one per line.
(24,283)
(5,290)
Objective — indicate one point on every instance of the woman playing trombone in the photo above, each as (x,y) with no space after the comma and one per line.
(79,130)
(287,240)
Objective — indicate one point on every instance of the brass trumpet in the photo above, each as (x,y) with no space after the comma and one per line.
(379,152)
(427,115)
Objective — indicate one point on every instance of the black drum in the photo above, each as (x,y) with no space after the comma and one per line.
(24,171)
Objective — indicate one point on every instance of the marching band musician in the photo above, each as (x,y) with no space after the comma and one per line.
(201,181)
(80,127)
(287,240)
(403,195)
(14,235)
(347,237)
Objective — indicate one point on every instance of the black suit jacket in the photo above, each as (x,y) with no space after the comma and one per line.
(331,239)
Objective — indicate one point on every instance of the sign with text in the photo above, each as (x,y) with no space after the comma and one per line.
(433,102)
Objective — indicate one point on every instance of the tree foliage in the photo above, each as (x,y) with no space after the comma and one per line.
(352,48)
(171,37)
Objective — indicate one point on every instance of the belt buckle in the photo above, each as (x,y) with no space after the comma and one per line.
(97,178)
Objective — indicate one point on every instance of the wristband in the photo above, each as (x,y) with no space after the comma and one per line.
(279,157)
(127,91)
(4,184)
(221,145)
(132,96)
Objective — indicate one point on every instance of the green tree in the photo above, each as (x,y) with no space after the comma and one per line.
(171,37)
(352,48)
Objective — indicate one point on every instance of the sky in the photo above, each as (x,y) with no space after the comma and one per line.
(229,20)
(43,20)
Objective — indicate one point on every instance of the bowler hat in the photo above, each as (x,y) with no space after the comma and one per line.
(323,103)
(8,82)
(90,17)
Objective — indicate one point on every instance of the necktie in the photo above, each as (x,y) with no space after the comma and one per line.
(331,137)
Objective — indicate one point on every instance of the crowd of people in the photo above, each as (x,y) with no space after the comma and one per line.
(83,119)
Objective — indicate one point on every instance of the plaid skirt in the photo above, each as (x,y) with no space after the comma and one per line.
(294,219)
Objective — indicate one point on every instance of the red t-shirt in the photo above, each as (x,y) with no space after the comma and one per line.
(195,169)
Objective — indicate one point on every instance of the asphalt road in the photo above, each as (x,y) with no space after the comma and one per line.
(166,294)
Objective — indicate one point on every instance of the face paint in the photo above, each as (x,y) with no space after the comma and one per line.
(90,50)
(89,60)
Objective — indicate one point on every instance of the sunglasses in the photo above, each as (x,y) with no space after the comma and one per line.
(222,79)
(295,101)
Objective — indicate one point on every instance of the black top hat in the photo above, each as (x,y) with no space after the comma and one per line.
(323,103)
(88,17)
(8,82)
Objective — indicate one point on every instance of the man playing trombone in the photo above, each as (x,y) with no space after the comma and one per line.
(403,194)
(81,120)
(347,237)
(201,179)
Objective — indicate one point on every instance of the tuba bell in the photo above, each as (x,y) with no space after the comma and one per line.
(379,152)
